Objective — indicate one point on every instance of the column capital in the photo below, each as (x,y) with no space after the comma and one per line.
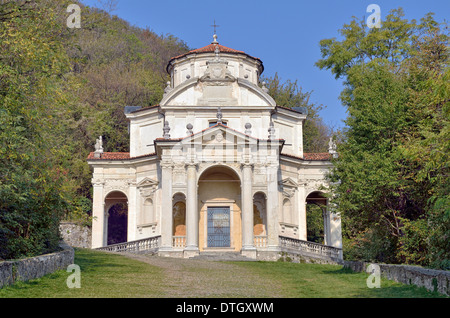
(98,182)
(247,165)
(166,165)
(191,165)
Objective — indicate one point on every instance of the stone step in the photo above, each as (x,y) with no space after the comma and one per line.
(222,256)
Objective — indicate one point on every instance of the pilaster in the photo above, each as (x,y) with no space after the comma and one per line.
(248,247)
(98,213)
(132,211)
(166,202)
(192,213)
(272,207)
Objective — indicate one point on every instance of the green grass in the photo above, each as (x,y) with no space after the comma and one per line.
(102,275)
(331,281)
(114,276)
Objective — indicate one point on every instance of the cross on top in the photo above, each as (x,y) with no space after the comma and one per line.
(214,25)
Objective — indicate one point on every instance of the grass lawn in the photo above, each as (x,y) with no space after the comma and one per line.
(114,276)
(332,281)
(102,275)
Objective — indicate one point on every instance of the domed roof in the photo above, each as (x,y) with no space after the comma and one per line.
(211,48)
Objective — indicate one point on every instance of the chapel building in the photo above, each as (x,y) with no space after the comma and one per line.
(216,166)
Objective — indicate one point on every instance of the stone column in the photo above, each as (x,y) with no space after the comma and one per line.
(132,211)
(248,246)
(166,210)
(272,207)
(326,225)
(302,213)
(192,215)
(334,227)
(98,213)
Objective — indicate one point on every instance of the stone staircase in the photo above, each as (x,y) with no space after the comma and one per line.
(223,256)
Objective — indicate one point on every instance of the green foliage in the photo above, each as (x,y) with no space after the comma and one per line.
(32,60)
(314,223)
(390,179)
(316,133)
(60,89)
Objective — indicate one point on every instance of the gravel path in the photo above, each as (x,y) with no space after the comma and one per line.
(205,278)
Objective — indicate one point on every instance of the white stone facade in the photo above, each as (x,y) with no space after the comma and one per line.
(217,154)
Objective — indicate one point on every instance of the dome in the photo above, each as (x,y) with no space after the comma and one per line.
(211,48)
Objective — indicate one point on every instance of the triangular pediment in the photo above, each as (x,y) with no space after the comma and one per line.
(288,187)
(147,182)
(219,134)
(288,182)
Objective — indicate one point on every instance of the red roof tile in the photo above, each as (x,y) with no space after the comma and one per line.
(317,156)
(211,49)
(116,156)
(111,156)
(324,156)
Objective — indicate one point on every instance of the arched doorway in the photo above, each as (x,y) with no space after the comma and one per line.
(316,218)
(259,219)
(116,204)
(179,220)
(220,207)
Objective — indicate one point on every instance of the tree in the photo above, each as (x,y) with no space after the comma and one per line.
(316,133)
(31,65)
(393,160)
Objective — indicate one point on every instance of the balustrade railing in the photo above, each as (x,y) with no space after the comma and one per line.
(134,246)
(260,240)
(179,241)
(292,244)
(310,247)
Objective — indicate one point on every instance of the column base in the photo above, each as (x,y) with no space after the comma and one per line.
(191,251)
(165,251)
(249,251)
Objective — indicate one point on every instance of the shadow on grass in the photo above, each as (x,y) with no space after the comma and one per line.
(342,270)
(388,288)
(91,262)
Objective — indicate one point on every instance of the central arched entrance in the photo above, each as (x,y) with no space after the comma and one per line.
(219,203)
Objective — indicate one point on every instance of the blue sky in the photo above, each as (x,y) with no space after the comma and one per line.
(284,34)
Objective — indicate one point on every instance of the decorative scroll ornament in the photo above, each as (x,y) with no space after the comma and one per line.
(217,72)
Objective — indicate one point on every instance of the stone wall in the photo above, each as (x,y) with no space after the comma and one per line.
(286,255)
(76,235)
(35,267)
(432,280)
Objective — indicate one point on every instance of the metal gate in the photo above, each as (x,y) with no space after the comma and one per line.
(218,227)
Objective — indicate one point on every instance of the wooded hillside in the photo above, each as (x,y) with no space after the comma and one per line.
(60,89)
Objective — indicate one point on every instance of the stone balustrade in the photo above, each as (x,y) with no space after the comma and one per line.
(179,241)
(311,248)
(260,241)
(147,244)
